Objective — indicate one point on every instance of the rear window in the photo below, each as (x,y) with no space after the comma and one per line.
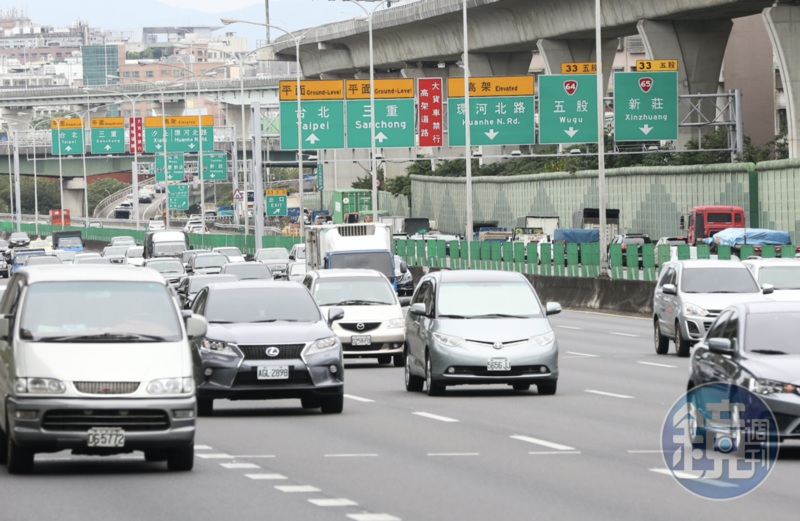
(716,280)
(718,218)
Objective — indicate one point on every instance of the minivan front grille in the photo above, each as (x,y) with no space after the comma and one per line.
(259,352)
(106,387)
(365,326)
(81,420)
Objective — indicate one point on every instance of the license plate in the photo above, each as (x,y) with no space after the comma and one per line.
(106,438)
(498,364)
(273,372)
(361,340)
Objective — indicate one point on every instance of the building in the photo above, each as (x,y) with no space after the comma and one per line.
(100,62)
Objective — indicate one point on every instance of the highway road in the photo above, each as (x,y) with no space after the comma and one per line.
(146,210)
(589,452)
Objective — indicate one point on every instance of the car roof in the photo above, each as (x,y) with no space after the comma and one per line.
(768,307)
(773,262)
(708,263)
(208,253)
(271,249)
(349,273)
(478,276)
(255,284)
(90,273)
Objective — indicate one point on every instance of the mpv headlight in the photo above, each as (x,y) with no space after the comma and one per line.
(545,339)
(448,340)
(321,345)
(396,322)
(692,310)
(39,386)
(171,386)
(763,386)
(217,347)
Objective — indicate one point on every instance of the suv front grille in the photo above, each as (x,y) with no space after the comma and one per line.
(522,370)
(259,352)
(250,379)
(713,313)
(130,420)
(365,326)
(106,387)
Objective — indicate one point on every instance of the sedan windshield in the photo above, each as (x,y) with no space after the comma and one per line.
(135,253)
(115,250)
(65,256)
(354,292)
(169,248)
(782,277)
(99,311)
(166,266)
(277,254)
(19,236)
(230,252)
(259,305)
(298,269)
(210,261)
(248,271)
(118,241)
(772,333)
(488,299)
(378,261)
(714,280)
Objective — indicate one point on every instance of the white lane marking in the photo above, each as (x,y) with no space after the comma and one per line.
(613,395)
(453,454)
(351,455)
(624,334)
(297,488)
(435,417)
(569,327)
(686,475)
(215,456)
(583,354)
(202,447)
(658,365)
(373,517)
(265,476)
(645,451)
(358,398)
(555,452)
(548,444)
(325,502)
(251,457)
(240,465)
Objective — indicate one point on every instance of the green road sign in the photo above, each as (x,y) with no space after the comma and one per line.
(394,123)
(67,141)
(179,197)
(174,170)
(322,124)
(108,140)
(276,205)
(179,139)
(320,178)
(645,106)
(215,166)
(495,120)
(567,108)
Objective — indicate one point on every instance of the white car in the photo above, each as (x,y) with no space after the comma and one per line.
(135,256)
(195,228)
(155,226)
(374,324)
(232,252)
(784,274)
(192,223)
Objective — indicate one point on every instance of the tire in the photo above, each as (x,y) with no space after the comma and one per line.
(682,346)
(661,342)
(433,388)
(18,460)
(153,456)
(332,404)
(521,387)
(311,402)
(205,407)
(181,459)
(3,444)
(399,360)
(385,359)
(414,383)
(547,388)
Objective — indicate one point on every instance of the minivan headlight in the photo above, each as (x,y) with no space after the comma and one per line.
(448,340)
(39,386)
(544,339)
(763,386)
(695,311)
(321,345)
(171,386)
(217,347)
(396,322)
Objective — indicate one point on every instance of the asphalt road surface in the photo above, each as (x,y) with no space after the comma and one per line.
(591,452)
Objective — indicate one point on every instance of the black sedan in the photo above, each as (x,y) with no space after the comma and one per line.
(19,240)
(189,286)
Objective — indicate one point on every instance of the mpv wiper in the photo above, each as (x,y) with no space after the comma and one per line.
(453,316)
(104,337)
(360,303)
(497,315)
(273,320)
(220,322)
(767,352)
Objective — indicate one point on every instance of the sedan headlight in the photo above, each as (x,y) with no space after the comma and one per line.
(763,386)
(39,386)
(396,322)
(321,345)
(544,339)
(695,311)
(217,347)
(448,340)
(171,386)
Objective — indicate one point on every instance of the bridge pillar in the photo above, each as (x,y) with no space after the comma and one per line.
(171,108)
(233,115)
(73,196)
(699,46)
(783,26)
(556,52)
(17,119)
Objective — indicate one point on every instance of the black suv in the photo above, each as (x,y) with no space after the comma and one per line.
(638,239)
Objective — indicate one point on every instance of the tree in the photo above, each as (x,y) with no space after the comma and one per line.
(101,189)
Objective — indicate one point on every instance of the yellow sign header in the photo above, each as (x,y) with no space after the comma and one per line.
(656,65)
(177,121)
(108,122)
(491,86)
(312,90)
(579,68)
(384,89)
(57,123)
(274,192)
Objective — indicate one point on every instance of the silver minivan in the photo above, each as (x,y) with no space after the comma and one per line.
(96,360)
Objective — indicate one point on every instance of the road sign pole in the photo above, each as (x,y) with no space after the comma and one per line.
(258,188)
(601,159)
(166,180)
(85,179)
(467,147)
(200,161)
(60,170)
(373,165)
(16,180)
(299,140)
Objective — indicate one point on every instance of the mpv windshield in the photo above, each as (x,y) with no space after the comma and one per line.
(381,262)
(210,261)
(167,266)
(280,254)
(354,292)
(782,277)
(715,280)
(259,305)
(490,299)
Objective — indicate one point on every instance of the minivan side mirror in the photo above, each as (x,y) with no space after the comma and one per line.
(767,289)
(721,346)
(196,326)
(335,314)
(683,222)
(418,309)
(403,267)
(291,257)
(552,308)
(405,302)
(669,289)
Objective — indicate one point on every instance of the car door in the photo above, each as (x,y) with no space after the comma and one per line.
(416,348)
(7,361)
(705,362)
(725,366)
(664,303)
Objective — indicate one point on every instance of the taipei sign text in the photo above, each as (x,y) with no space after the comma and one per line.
(67,136)
(321,114)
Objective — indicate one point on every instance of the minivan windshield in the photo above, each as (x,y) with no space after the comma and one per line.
(69,242)
(276,254)
(371,291)
(488,299)
(229,252)
(378,261)
(782,277)
(168,248)
(115,250)
(772,333)
(715,280)
(166,266)
(99,311)
(259,305)
(136,252)
(210,261)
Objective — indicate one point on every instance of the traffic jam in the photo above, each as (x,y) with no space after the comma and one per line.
(173,330)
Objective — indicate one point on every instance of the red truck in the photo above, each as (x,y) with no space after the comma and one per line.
(57,215)
(705,221)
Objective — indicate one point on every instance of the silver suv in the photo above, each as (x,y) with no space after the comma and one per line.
(690,294)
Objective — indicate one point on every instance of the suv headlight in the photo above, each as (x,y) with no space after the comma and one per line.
(396,322)
(217,347)
(39,386)
(448,340)
(171,386)
(763,386)
(544,339)
(321,345)
(695,311)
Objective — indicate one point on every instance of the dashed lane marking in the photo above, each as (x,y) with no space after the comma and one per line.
(624,334)
(373,517)
(266,476)
(435,417)
(569,327)
(351,455)
(686,475)
(453,454)
(543,443)
(325,502)
(547,453)
(215,456)
(583,354)
(358,398)
(613,395)
(296,488)
(645,451)
(240,465)
(657,365)
(202,447)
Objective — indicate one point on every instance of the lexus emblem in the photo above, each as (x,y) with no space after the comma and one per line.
(360,326)
(272,352)
(498,345)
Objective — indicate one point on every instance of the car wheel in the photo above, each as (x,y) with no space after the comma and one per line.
(682,346)
(547,388)
(399,360)
(521,387)
(332,404)
(433,388)
(156,455)
(311,402)
(414,383)
(18,460)
(205,406)
(385,359)
(3,443)
(181,459)
(661,342)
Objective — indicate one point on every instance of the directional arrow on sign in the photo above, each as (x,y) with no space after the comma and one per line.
(381,137)
(158,146)
(571,132)
(646,129)
(491,134)
(191,145)
(312,138)
(277,210)
(107,147)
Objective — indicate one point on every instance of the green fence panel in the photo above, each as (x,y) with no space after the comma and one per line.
(724,252)
(788,251)
(485,255)
(508,256)
(558,259)
(497,255)
(475,255)
(684,252)
(572,260)
(421,253)
(768,251)
(746,250)
(663,255)
(648,262)
(441,253)
(615,259)
(547,259)
(632,257)
(400,248)
(703,251)
(463,249)
(519,257)
(533,258)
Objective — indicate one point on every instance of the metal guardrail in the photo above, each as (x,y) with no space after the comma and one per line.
(111,199)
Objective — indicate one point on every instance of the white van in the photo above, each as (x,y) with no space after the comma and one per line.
(96,361)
